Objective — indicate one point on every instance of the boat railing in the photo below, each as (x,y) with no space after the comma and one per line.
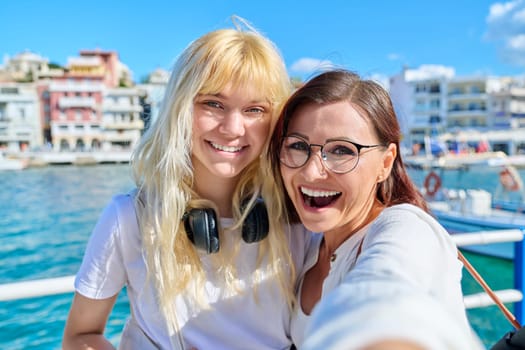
(36,288)
(513,295)
(61,285)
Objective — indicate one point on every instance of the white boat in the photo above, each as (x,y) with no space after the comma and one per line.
(456,161)
(514,206)
(471,210)
(12,163)
(468,210)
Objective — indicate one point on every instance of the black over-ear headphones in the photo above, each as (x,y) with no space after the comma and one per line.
(203,231)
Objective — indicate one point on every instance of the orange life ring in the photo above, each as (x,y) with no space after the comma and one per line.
(432,184)
(510,180)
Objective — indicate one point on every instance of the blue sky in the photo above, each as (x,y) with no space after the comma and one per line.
(370,37)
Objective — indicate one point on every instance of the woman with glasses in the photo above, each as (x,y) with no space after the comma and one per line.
(389,271)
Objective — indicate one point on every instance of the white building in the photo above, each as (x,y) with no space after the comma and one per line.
(155,89)
(25,66)
(121,121)
(19,117)
(431,101)
(419,97)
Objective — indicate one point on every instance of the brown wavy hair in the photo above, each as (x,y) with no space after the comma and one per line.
(342,85)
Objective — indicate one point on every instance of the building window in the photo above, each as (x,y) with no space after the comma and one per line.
(434,88)
(434,103)
(435,119)
(455,91)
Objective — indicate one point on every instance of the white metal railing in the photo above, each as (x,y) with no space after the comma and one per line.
(36,288)
(61,285)
(483,299)
(487,237)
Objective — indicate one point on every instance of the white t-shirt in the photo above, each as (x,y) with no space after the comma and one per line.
(114,259)
(405,282)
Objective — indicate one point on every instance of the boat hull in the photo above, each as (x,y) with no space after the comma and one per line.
(457,222)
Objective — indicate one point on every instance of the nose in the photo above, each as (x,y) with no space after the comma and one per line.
(232,124)
(314,167)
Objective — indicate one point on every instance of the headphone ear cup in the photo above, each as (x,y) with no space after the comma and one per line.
(201,227)
(256,226)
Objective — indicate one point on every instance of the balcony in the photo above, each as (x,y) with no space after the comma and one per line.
(7,98)
(472,110)
(121,108)
(123,124)
(78,102)
(76,86)
(470,121)
(4,122)
(457,96)
(125,136)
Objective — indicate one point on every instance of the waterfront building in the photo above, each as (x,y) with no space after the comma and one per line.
(121,121)
(71,108)
(509,107)
(155,88)
(469,101)
(19,119)
(419,97)
(72,105)
(25,66)
(100,63)
(460,110)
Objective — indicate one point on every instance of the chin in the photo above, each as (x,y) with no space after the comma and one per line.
(315,226)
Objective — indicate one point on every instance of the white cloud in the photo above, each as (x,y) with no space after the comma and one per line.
(394,57)
(520,15)
(517,42)
(506,27)
(309,65)
(427,71)
(500,10)
(381,79)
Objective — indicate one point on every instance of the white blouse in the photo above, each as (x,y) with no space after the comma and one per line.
(407,271)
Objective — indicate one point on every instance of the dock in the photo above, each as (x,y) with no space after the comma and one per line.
(46,158)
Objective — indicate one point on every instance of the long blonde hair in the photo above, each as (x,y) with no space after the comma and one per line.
(163,171)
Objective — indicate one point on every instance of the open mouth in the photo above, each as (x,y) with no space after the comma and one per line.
(319,199)
(228,149)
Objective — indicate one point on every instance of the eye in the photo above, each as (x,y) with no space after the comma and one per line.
(255,111)
(298,146)
(341,149)
(213,104)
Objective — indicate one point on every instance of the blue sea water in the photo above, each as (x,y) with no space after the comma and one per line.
(47,214)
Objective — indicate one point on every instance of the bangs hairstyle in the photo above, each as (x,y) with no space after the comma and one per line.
(239,58)
(163,170)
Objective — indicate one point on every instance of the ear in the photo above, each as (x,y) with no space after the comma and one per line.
(388,162)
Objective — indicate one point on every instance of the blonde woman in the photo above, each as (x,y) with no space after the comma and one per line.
(199,244)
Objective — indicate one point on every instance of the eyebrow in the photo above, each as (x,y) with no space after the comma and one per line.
(224,97)
(299,135)
(341,138)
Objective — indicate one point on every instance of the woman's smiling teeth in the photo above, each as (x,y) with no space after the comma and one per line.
(229,149)
(318,199)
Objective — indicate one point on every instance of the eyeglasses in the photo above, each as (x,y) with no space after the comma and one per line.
(339,156)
